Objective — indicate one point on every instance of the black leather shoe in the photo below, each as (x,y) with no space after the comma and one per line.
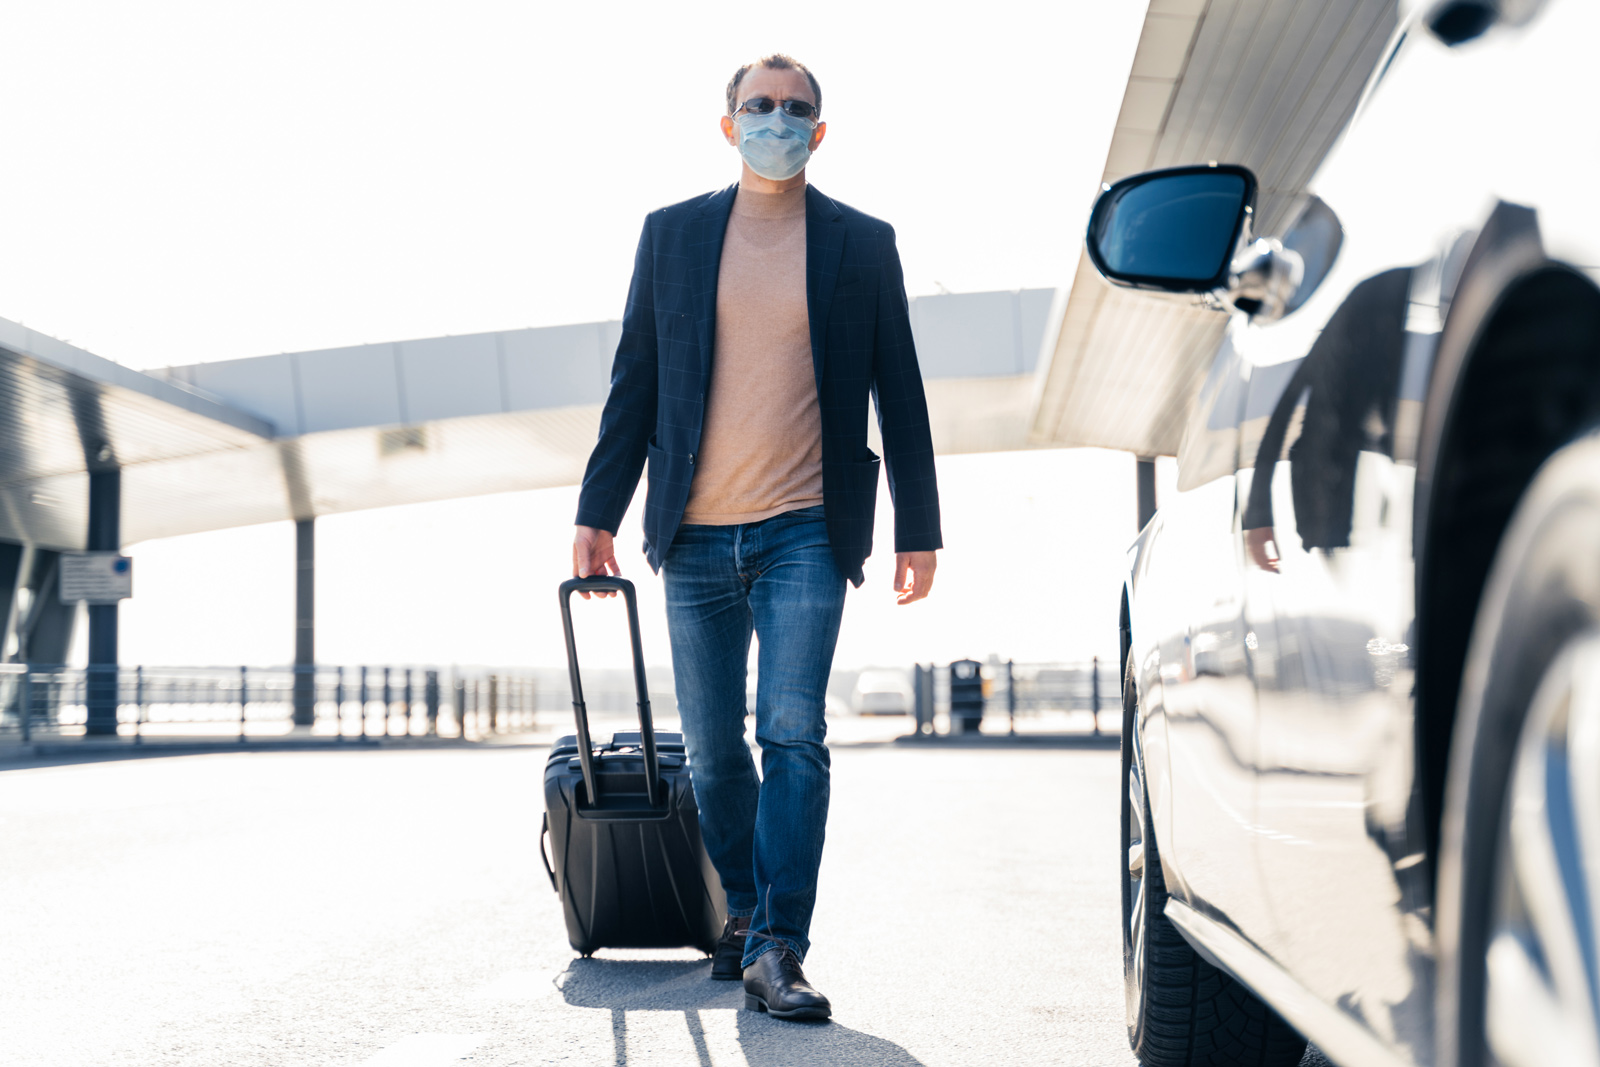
(775,984)
(727,963)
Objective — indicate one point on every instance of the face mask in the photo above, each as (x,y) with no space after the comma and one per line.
(776,146)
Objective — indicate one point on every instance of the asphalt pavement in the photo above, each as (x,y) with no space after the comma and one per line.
(388,909)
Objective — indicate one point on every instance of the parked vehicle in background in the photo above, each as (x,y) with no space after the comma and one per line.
(882,692)
(1361,743)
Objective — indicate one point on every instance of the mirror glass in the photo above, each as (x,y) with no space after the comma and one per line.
(1174,227)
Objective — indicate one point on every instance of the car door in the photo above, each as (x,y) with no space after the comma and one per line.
(1209,700)
(1326,484)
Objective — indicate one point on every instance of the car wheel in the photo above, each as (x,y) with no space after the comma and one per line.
(1519,864)
(1182,1011)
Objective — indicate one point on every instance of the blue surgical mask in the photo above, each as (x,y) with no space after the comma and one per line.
(776,146)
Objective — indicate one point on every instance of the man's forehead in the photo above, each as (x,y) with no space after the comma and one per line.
(790,84)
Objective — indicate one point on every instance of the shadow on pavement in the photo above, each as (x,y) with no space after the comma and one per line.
(646,985)
(769,1042)
(685,986)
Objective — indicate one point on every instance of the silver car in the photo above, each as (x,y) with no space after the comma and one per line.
(1362,641)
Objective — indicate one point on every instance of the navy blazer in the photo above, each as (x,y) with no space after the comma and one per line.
(860,344)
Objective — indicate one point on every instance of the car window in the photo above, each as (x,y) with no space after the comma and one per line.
(1211,440)
(1316,236)
(1338,403)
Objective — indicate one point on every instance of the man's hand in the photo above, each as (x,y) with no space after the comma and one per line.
(593,554)
(921,565)
(1256,542)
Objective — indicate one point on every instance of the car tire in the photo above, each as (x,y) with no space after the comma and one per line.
(1519,858)
(1182,1010)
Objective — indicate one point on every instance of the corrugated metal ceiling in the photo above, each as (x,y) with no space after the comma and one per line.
(1266,83)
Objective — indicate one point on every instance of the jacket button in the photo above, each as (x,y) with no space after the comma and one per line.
(691,459)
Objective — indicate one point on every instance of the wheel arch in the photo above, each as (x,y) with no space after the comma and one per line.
(1514,378)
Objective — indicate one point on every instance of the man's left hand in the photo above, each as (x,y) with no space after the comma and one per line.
(921,565)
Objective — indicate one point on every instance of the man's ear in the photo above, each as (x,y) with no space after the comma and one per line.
(730,131)
(817,135)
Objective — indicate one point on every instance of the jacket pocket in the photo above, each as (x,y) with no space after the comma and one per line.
(864,476)
(667,478)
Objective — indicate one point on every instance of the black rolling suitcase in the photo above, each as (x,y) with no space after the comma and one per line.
(625,851)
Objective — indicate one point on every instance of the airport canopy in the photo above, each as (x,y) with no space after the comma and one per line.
(1269,84)
(65,412)
(303,434)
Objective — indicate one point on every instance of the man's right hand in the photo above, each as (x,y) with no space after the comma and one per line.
(593,554)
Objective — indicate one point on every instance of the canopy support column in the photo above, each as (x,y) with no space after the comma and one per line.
(105,535)
(305,622)
(1147,489)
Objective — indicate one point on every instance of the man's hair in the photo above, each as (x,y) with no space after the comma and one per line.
(775,61)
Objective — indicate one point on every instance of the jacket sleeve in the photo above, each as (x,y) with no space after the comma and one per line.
(629,416)
(903,415)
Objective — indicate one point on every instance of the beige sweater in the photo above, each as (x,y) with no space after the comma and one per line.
(761,449)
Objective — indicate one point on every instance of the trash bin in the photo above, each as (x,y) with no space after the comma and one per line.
(966,696)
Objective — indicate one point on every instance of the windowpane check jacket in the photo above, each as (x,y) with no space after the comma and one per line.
(860,345)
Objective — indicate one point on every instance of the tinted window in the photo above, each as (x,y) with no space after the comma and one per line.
(1343,393)
(1316,237)
(1173,227)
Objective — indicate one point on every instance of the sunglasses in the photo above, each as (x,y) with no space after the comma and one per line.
(763,105)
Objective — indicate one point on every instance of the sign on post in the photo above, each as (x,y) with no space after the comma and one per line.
(95,577)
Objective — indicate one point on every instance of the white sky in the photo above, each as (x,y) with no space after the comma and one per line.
(200,181)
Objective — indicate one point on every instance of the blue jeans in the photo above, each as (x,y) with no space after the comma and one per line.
(775,578)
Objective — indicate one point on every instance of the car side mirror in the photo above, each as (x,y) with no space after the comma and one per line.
(1172,230)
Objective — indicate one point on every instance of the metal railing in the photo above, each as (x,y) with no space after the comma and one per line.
(258,702)
(470,703)
(1026,690)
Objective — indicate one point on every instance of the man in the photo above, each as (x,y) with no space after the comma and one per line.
(759,320)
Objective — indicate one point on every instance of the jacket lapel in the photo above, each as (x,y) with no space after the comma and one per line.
(705,252)
(824,248)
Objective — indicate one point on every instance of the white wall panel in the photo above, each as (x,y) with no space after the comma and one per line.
(263,386)
(558,366)
(345,387)
(447,377)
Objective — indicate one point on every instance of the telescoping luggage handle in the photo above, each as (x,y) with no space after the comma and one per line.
(647,733)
